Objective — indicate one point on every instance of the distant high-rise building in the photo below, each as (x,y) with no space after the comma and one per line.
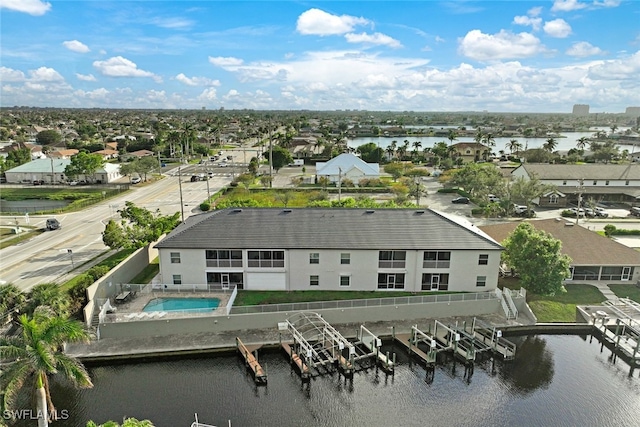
(632,111)
(581,110)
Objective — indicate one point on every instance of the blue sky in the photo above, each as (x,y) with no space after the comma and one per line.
(502,56)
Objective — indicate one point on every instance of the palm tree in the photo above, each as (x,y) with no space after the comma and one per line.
(479,136)
(582,142)
(514,146)
(36,353)
(11,300)
(390,152)
(550,145)
(488,140)
(50,295)
(452,136)
(416,147)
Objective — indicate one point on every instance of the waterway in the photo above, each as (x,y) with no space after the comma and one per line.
(555,380)
(566,143)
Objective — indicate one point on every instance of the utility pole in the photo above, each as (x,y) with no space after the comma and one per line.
(580,191)
(339,183)
(270,154)
(180,186)
(51,170)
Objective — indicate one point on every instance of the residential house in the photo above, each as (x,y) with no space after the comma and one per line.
(471,151)
(330,249)
(51,171)
(596,181)
(107,154)
(347,166)
(63,154)
(594,257)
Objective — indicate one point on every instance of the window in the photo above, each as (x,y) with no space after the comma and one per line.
(175,257)
(345,281)
(314,258)
(177,279)
(345,258)
(435,282)
(223,258)
(626,182)
(390,280)
(314,280)
(435,259)
(391,259)
(265,259)
(481,281)
(595,182)
(553,199)
(606,182)
(483,259)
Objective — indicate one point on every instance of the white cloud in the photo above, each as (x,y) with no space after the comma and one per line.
(375,38)
(535,11)
(582,49)
(618,69)
(196,81)
(209,94)
(11,75)
(225,62)
(567,5)
(172,23)
(45,74)
(607,3)
(558,28)
(534,23)
(76,46)
(86,77)
(32,7)
(503,45)
(100,93)
(118,66)
(319,22)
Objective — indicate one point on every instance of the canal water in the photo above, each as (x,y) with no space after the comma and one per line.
(556,380)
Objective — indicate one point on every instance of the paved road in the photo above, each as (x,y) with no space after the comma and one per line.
(46,257)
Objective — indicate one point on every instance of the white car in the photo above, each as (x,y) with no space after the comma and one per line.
(493,198)
(518,209)
(73,182)
(136,180)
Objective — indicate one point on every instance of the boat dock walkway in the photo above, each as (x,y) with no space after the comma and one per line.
(251,360)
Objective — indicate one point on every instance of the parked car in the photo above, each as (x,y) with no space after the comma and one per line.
(601,212)
(53,224)
(493,198)
(136,180)
(518,209)
(527,213)
(635,211)
(461,200)
(195,178)
(38,182)
(578,212)
(74,182)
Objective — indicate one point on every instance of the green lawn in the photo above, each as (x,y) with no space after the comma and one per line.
(149,272)
(627,291)
(25,235)
(280,297)
(562,307)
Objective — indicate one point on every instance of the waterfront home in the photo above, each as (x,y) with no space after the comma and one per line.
(330,249)
(593,257)
(471,151)
(597,181)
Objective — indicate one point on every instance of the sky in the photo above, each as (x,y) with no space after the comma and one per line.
(498,56)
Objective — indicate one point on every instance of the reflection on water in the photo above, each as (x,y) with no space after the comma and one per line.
(554,381)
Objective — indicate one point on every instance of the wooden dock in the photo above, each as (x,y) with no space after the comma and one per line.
(405,340)
(297,361)
(259,375)
(625,338)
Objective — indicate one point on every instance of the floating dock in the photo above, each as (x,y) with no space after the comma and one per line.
(259,375)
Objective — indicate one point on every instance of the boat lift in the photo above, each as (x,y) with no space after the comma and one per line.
(372,343)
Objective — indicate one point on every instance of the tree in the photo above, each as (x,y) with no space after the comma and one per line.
(138,227)
(478,180)
(395,169)
(280,157)
(18,157)
(550,145)
(452,136)
(370,152)
(11,301)
(48,137)
(36,353)
(514,146)
(537,257)
(526,190)
(581,143)
(253,166)
(50,295)
(265,180)
(84,164)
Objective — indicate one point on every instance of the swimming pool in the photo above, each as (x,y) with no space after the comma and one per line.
(197,305)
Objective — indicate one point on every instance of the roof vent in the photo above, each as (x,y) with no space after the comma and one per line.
(286,210)
(370,211)
(237,210)
(421,211)
(568,224)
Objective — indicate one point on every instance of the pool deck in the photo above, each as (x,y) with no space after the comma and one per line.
(132,310)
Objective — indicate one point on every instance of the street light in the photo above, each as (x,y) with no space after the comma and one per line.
(70,252)
(180,186)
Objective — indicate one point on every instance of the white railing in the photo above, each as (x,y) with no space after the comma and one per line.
(512,307)
(372,302)
(232,299)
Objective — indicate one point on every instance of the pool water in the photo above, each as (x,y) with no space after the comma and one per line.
(182,304)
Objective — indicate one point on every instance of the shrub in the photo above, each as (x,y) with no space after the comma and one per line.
(97,271)
(205,206)
(609,229)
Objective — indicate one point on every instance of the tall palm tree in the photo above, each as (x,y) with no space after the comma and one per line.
(582,142)
(452,136)
(390,152)
(416,147)
(36,353)
(50,295)
(488,140)
(11,300)
(550,145)
(514,146)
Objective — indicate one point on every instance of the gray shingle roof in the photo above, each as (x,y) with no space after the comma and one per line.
(587,171)
(326,228)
